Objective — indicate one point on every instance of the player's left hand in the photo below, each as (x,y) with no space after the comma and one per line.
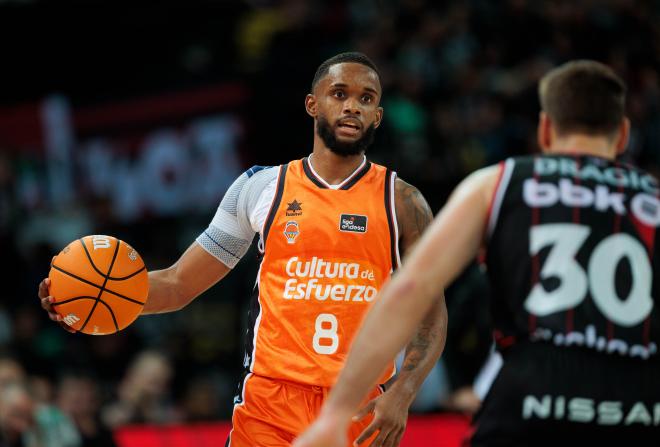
(390,412)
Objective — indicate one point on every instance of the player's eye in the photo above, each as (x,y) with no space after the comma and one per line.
(367,99)
(339,94)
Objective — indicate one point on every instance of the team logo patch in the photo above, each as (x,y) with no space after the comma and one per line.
(353,223)
(291,231)
(294,209)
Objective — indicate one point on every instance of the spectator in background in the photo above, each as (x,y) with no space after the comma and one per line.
(143,393)
(25,423)
(78,397)
(10,371)
(16,414)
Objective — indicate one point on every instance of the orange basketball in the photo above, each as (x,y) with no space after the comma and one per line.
(99,284)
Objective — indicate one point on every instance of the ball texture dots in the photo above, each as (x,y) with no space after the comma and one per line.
(99,284)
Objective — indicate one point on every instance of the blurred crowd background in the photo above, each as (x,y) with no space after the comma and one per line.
(133,120)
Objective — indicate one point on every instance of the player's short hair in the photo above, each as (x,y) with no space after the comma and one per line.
(350,57)
(583,96)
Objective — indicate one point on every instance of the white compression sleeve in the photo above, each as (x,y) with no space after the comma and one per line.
(230,233)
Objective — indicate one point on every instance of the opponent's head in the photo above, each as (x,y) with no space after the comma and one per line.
(344,103)
(586,98)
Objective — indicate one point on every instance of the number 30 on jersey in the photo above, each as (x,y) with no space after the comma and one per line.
(599,279)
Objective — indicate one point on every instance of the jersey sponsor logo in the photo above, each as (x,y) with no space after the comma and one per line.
(294,209)
(645,207)
(611,175)
(318,279)
(584,410)
(353,223)
(590,339)
(291,231)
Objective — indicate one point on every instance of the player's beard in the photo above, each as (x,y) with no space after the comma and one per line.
(359,146)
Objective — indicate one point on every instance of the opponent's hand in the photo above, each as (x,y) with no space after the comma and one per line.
(323,433)
(390,412)
(47,305)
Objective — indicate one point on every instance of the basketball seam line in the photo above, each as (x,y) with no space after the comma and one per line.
(112,278)
(98,298)
(112,314)
(75,298)
(96,285)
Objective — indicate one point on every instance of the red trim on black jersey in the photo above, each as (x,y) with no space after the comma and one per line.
(650,245)
(616,228)
(536,218)
(570,313)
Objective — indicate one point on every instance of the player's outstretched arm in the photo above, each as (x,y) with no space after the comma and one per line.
(175,287)
(451,242)
(216,251)
(391,409)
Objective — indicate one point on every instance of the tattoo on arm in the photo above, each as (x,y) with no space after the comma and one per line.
(414,216)
(418,346)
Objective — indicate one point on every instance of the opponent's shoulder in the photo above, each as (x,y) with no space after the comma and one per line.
(479,187)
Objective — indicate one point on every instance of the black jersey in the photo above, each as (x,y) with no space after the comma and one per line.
(572,262)
(572,255)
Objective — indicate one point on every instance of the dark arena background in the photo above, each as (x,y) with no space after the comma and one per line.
(132,118)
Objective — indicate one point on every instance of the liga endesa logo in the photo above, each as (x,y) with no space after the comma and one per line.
(353,223)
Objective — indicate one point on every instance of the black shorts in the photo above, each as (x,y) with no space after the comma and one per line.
(547,395)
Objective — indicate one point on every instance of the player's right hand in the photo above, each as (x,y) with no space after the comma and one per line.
(47,305)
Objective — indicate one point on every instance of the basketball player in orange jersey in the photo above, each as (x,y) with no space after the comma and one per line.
(331,226)
(573,262)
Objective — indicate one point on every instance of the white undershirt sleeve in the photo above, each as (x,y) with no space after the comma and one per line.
(240,215)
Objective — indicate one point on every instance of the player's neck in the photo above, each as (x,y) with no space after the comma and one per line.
(583,145)
(334,168)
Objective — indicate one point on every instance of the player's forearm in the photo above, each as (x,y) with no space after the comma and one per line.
(385,327)
(165,294)
(423,351)
(175,287)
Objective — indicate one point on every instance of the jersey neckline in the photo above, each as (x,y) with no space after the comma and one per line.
(347,183)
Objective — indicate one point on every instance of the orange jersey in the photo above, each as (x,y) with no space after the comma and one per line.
(326,253)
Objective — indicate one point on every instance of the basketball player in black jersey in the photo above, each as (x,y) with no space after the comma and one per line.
(571,253)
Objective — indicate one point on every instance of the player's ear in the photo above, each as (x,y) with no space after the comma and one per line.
(379,117)
(544,132)
(623,135)
(310,105)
